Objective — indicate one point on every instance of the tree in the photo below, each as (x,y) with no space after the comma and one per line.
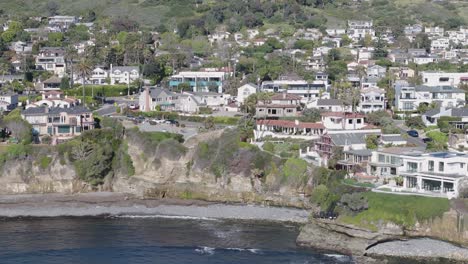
(84,69)
(55,39)
(311,115)
(422,41)
(415,122)
(52,7)
(209,123)
(19,128)
(322,196)
(379,118)
(65,83)
(372,142)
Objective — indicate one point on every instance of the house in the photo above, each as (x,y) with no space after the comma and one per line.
(327,144)
(288,129)
(152,98)
(123,74)
(8,101)
(245,91)
(59,122)
(372,99)
(343,121)
(408,98)
(426,59)
(434,31)
(21,47)
(437,174)
(376,71)
(330,105)
(218,36)
(438,78)
(402,72)
(431,117)
(62,21)
(200,80)
(417,52)
(357,30)
(99,76)
(335,32)
(51,84)
(440,44)
(413,30)
(355,161)
(279,105)
(55,99)
(292,84)
(51,59)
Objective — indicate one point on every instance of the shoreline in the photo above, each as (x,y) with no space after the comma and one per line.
(118,204)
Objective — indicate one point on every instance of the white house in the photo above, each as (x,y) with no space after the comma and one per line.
(437,173)
(431,117)
(99,76)
(440,44)
(51,59)
(343,121)
(434,31)
(408,98)
(8,101)
(359,29)
(199,81)
(123,74)
(376,71)
(421,60)
(54,99)
(245,91)
(372,99)
(437,78)
(218,36)
(330,105)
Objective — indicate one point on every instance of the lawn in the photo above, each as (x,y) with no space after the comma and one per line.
(358,184)
(399,209)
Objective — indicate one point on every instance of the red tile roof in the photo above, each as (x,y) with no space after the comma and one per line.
(290,124)
(277,106)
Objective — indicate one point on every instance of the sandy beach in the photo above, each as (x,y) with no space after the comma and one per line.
(116,204)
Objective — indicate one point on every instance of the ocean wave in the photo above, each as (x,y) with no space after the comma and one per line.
(182,217)
(205,250)
(339,258)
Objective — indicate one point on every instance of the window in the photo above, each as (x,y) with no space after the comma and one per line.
(350,121)
(381,158)
(359,121)
(431,165)
(443,79)
(441,166)
(411,166)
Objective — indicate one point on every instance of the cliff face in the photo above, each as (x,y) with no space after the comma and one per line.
(187,176)
(25,175)
(163,169)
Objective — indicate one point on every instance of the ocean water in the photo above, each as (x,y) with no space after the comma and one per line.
(153,240)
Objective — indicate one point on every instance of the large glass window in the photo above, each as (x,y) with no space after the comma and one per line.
(411,166)
(441,166)
(381,158)
(63,129)
(431,165)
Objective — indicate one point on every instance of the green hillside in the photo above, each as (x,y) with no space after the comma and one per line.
(152,13)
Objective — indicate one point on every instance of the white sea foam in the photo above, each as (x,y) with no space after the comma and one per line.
(205,250)
(182,217)
(338,257)
(251,250)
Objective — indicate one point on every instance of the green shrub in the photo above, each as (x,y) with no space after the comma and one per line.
(295,172)
(44,162)
(268,146)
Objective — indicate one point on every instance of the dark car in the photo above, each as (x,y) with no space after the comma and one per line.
(426,140)
(413,133)
(172,122)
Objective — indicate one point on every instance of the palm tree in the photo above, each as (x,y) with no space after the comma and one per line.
(84,69)
(71,54)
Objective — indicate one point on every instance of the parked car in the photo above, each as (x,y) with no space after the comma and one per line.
(413,133)
(427,140)
(133,106)
(172,122)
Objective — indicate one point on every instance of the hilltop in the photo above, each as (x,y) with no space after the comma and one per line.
(232,14)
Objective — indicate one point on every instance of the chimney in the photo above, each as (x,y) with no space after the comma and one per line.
(296,122)
(284,95)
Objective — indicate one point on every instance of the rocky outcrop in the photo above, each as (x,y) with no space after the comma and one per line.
(27,176)
(347,239)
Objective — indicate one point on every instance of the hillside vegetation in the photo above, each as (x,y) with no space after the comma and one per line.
(209,14)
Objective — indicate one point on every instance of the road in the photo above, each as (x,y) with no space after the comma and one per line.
(417,141)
